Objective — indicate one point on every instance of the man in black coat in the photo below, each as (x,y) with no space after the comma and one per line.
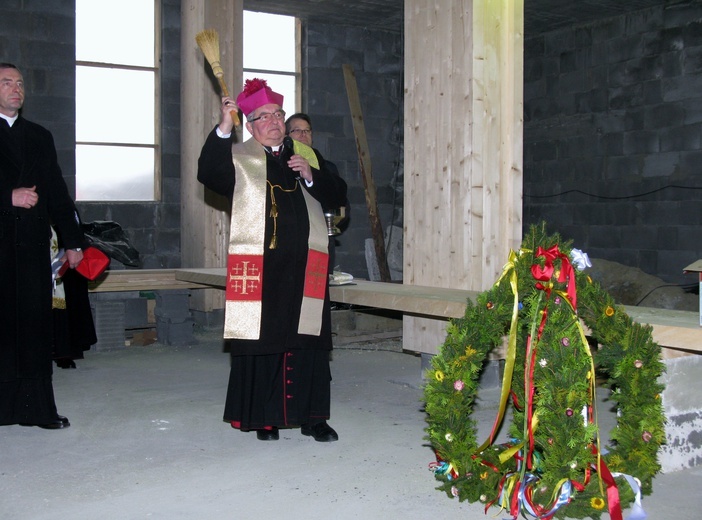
(277,311)
(33,195)
(299,127)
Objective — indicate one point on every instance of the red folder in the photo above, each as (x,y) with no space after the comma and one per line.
(93,264)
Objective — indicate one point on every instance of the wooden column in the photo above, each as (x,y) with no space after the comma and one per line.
(463,148)
(204,217)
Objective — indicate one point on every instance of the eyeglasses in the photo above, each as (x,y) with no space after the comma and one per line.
(301,131)
(278,115)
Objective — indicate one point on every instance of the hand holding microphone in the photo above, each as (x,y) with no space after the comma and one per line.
(298,164)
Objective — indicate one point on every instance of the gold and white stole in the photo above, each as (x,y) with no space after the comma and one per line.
(245,269)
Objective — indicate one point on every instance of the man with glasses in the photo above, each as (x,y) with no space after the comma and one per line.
(277,313)
(299,127)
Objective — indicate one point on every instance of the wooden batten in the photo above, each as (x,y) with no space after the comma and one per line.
(463,148)
(364,161)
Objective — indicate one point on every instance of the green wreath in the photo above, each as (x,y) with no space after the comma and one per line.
(554,460)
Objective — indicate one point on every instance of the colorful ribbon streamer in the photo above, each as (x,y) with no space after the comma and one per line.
(510,270)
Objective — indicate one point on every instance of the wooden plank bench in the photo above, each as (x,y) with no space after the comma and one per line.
(139,280)
(421,301)
(678,332)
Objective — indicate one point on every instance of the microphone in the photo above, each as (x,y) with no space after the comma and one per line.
(286,153)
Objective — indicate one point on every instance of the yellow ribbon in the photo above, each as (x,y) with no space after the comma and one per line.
(593,386)
(510,270)
(509,453)
(593,398)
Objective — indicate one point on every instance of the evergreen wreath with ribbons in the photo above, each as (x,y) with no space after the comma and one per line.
(554,464)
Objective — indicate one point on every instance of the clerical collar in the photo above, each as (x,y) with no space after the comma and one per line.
(272,149)
(10,120)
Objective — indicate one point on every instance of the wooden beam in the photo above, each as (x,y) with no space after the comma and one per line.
(676,331)
(139,280)
(366,172)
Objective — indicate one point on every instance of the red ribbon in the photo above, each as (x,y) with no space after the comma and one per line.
(487,464)
(500,487)
(514,506)
(544,274)
(613,504)
(515,400)
(529,388)
(539,510)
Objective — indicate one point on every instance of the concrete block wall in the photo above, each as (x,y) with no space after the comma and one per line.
(376,57)
(153,228)
(683,429)
(39,38)
(613,137)
(612,109)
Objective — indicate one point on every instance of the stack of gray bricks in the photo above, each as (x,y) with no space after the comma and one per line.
(109,317)
(174,321)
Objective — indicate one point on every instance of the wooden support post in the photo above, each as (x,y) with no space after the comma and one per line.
(365,165)
(204,219)
(463,117)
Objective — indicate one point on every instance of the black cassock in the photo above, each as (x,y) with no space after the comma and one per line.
(74,327)
(283,378)
(28,158)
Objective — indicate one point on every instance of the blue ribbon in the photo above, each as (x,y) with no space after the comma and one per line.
(564,496)
(444,468)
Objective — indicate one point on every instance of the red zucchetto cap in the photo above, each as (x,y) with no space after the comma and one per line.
(257,93)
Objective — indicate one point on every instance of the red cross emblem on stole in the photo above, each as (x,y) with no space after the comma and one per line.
(316,274)
(244,278)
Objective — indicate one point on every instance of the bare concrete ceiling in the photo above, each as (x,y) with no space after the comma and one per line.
(539,15)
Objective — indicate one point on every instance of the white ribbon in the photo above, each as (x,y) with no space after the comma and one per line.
(579,259)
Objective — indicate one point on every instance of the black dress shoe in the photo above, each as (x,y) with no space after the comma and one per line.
(65,363)
(59,423)
(267,435)
(321,432)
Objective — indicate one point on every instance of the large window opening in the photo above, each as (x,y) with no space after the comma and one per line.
(271,52)
(117,93)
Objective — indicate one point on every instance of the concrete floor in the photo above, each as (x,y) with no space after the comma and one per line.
(147,441)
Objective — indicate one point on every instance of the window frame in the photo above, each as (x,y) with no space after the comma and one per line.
(156,146)
(296,73)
